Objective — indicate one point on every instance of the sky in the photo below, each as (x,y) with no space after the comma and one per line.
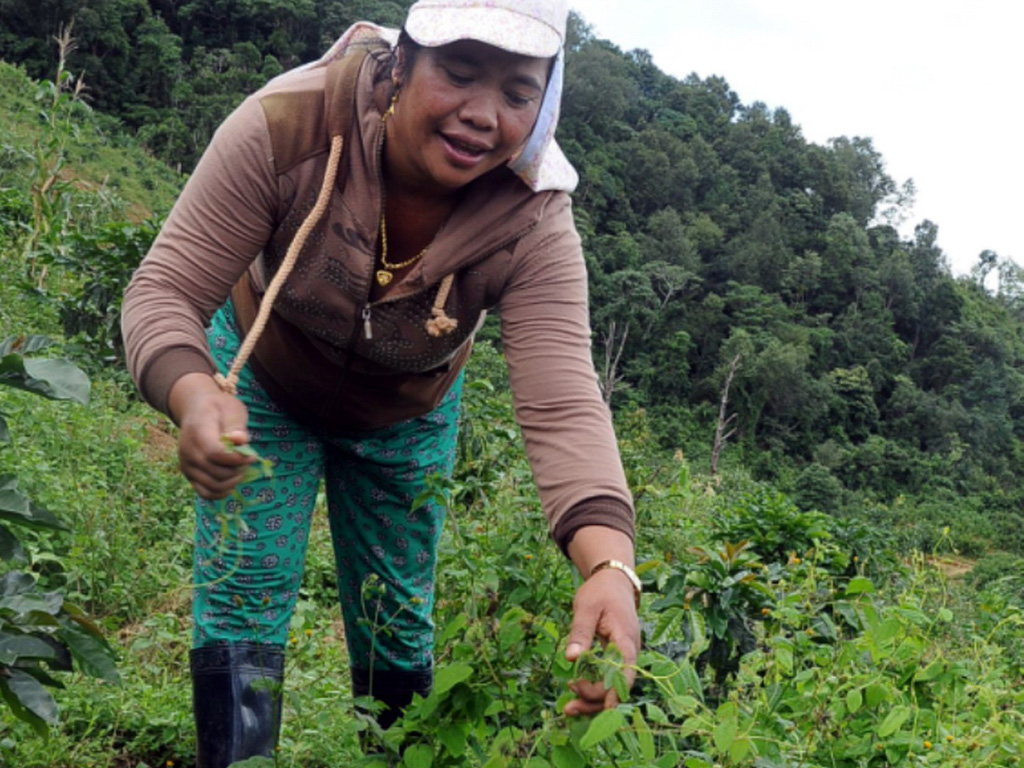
(936,85)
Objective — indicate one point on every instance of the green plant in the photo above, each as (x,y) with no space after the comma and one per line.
(721,594)
(102,261)
(772,525)
(50,190)
(40,632)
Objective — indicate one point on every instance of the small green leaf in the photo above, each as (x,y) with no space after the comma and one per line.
(453,736)
(18,508)
(854,700)
(14,647)
(897,717)
(418,756)
(95,658)
(450,676)
(739,749)
(643,735)
(784,658)
(453,627)
(657,715)
(724,734)
(24,345)
(51,378)
(875,694)
(32,695)
(930,672)
(859,585)
(604,726)
(566,756)
(26,604)
(10,547)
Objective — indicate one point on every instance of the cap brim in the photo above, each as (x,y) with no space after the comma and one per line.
(510,31)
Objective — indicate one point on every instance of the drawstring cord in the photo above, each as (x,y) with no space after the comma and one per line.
(229,383)
(440,324)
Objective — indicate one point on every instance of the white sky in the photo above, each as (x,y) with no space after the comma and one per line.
(936,84)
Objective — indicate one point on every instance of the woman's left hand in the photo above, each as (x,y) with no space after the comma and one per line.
(605,608)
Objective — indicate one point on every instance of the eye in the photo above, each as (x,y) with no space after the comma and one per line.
(517,99)
(458,78)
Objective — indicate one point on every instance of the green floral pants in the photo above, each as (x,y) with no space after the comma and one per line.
(250,552)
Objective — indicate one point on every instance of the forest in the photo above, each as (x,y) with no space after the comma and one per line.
(821,425)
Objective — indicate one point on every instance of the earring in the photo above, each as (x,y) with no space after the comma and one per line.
(390,111)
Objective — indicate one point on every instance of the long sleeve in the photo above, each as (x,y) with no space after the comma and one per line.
(220,223)
(566,425)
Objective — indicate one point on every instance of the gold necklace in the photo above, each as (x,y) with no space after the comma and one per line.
(385,276)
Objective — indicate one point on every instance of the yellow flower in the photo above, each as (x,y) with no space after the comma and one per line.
(927,745)
(765,611)
(528,557)
(949,737)
(309,633)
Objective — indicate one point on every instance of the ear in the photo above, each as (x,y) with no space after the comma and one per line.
(398,70)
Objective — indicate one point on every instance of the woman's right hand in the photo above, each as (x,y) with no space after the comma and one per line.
(206,415)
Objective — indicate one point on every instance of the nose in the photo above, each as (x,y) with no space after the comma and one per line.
(480,109)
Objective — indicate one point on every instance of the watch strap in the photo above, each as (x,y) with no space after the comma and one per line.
(630,574)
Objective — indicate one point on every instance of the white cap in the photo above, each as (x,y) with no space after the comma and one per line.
(527,27)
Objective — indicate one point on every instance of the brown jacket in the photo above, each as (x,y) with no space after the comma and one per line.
(332,357)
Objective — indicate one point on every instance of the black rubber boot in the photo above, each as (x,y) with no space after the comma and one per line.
(236,698)
(393,688)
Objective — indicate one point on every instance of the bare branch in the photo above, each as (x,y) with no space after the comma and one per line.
(721,436)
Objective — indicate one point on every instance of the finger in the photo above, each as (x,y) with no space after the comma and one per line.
(590,700)
(235,421)
(578,707)
(581,634)
(229,460)
(212,488)
(588,690)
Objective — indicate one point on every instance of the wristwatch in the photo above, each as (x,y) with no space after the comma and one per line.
(618,565)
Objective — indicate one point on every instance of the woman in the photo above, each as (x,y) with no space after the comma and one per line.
(373,207)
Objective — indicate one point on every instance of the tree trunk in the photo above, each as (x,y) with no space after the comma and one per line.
(721,436)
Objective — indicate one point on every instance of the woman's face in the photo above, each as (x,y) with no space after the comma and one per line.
(464,109)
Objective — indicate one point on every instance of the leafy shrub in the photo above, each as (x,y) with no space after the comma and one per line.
(772,525)
(40,632)
(817,488)
(103,261)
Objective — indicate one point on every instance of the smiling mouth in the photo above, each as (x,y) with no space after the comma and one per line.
(463,148)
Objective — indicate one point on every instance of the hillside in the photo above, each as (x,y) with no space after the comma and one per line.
(102,159)
(841,588)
